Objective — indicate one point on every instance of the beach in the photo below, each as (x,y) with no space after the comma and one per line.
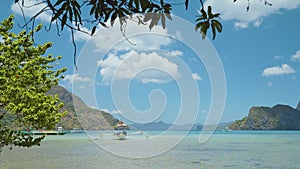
(225,149)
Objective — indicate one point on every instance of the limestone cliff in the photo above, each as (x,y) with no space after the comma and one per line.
(79,114)
(279,117)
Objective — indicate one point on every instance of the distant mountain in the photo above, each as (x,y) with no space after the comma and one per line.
(164,126)
(220,126)
(279,117)
(85,117)
(151,126)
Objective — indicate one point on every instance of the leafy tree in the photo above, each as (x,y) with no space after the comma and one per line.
(25,77)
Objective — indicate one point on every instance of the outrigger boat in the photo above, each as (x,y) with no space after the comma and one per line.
(120,130)
(122,134)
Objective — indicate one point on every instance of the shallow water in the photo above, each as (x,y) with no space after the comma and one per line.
(236,149)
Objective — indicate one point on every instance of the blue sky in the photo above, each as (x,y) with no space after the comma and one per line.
(170,74)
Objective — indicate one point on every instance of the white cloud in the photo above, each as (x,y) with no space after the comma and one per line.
(257,23)
(153,80)
(237,11)
(139,36)
(80,36)
(192,59)
(145,67)
(105,110)
(114,111)
(196,76)
(29,12)
(241,25)
(77,78)
(173,53)
(296,57)
(178,35)
(278,70)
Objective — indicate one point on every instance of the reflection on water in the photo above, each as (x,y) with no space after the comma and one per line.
(254,149)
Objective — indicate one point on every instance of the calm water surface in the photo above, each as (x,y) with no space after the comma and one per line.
(236,149)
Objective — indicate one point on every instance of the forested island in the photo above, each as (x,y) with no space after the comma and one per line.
(278,117)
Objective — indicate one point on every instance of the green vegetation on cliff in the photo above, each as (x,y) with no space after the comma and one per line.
(79,114)
(279,117)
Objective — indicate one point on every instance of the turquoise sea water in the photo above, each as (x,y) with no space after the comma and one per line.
(235,149)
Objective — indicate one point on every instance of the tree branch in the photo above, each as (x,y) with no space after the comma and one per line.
(75,49)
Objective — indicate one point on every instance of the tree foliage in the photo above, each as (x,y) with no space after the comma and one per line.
(74,13)
(207,20)
(25,76)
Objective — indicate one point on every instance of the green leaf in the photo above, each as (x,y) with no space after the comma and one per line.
(103,24)
(186,4)
(145,4)
(200,18)
(76,4)
(63,21)
(137,3)
(148,16)
(59,12)
(92,9)
(218,25)
(70,14)
(93,30)
(216,15)
(199,25)
(56,15)
(168,16)
(113,17)
(127,12)
(163,21)
(154,20)
(108,13)
(213,29)
(76,16)
(204,28)
(209,12)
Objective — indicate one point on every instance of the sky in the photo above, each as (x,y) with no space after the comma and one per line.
(172,75)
